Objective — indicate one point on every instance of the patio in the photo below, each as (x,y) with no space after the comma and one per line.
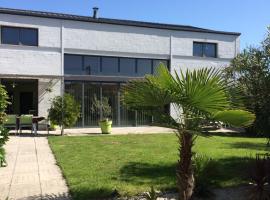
(32,172)
(97,131)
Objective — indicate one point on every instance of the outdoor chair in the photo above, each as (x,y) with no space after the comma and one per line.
(11,122)
(26,121)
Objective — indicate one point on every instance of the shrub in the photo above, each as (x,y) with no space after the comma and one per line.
(64,111)
(3,135)
(259,176)
(3,132)
(3,103)
(204,170)
(102,107)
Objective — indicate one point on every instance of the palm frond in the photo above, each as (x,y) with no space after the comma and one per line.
(201,91)
(238,118)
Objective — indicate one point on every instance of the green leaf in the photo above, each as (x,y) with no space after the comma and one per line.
(238,118)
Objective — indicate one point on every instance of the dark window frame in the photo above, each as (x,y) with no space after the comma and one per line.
(20,35)
(203,49)
(118,58)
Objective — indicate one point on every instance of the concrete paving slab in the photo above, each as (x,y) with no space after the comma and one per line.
(32,172)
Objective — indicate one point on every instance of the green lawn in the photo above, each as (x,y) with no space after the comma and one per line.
(96,166)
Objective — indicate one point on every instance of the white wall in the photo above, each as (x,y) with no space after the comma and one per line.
(103,39)
(45,96)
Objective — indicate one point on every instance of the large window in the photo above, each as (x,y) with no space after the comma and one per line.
(144,66)
(110,66)
(19,36)
(86,92)
(91,65)
(203,49)
(127,66)
(73,64)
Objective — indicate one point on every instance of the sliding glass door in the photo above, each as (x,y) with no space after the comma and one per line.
(91,91)
(75,89)
(86,92)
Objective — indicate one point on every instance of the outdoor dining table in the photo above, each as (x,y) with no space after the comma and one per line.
(35,120)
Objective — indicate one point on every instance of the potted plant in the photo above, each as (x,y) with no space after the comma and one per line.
(104,110)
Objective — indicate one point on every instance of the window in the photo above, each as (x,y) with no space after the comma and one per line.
(127,66)
(203,49)
(144,66)
(109,66)
(156,64)
(73,64)
(91,65)
(19,36)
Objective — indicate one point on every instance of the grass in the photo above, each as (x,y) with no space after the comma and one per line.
(101,166)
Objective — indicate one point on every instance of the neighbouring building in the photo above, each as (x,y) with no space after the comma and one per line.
(43,54)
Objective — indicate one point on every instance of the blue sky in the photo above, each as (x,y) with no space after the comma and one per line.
(250,17)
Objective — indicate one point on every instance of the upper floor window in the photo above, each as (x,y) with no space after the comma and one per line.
(110,66)
(19,36)
(203,49)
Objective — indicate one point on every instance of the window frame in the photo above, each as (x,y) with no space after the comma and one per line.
(203,49)
(100,57)
(20,35)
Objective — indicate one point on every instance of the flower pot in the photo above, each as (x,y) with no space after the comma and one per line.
(106,126)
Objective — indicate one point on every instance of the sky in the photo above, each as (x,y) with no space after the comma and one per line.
(249,17)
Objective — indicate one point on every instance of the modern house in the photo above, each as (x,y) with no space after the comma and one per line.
(43,54)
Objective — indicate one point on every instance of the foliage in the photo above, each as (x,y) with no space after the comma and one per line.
(3,103)
(259,175)
(3,135)
(64,111)
(249,74)
(102,107)
(152,194)
(197,96)
(3,131)
(204,171)
(133,163)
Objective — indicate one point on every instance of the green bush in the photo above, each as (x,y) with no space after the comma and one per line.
(3,135)
(102,108)
(204,170)
(3,103)
(64,111)
(3,131)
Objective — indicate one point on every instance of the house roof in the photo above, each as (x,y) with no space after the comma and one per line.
(111,21)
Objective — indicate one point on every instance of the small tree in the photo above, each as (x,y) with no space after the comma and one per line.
(3,131)
(64,111)
(198,96)
(102,107)
(3,103)
(249,74)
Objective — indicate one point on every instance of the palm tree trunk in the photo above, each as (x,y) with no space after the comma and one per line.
(184,171)
(62,130)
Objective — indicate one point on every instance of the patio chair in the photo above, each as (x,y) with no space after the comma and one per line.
(26,121)
(11,122)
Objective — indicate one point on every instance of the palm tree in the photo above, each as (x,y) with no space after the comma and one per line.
(198,97)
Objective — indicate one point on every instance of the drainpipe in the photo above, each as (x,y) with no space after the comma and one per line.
(62,71)
(171,52)
(171,59)
(62,58)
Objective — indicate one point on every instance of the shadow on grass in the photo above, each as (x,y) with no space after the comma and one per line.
(91,194)
(250,145)
(228,172)
(231,171)
(161,176)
